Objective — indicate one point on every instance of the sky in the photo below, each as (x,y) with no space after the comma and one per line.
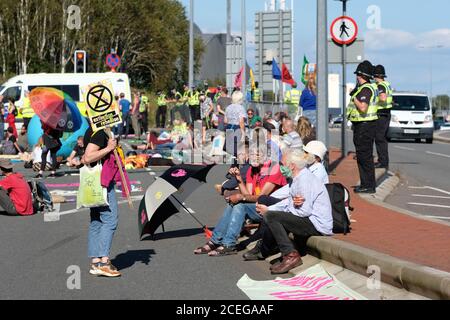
(404,26)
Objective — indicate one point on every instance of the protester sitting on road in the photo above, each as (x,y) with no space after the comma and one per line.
(262,179)
(306,212)
(74,160)
(22,141)
(291,139)
(319,150)
(36,157)
(305,130)
(15,193)
(10,146)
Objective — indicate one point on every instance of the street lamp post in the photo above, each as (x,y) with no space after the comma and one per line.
(431,67)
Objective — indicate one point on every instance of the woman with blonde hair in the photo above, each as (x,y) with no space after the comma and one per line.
(305,130)
(308,101)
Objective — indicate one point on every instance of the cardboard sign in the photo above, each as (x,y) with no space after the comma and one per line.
(102,109)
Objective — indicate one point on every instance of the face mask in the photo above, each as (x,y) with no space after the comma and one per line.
(286,171)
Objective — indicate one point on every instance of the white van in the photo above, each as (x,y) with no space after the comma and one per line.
(411,117)
(70,83)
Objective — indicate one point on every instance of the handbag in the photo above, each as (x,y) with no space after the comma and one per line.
(91,193)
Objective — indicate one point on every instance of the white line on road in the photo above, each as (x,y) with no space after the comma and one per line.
(437,217)
(438,154)
(134,198)
(428,205)
(405,148)
(431,188)
(428,196)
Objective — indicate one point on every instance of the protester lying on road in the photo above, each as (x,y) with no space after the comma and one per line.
(15,193)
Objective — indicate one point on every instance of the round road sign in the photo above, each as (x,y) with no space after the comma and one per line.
(344,30)
(112,60)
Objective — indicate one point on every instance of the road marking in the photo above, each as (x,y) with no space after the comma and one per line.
(438,154)
(428,196)
(428,205)
(54,215)
(133,198)
(405,148)
(437,217)
(431,188)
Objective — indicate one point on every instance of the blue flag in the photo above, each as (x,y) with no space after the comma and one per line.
(276,72)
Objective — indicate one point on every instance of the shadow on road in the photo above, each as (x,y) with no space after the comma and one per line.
(128,259)
(174,234)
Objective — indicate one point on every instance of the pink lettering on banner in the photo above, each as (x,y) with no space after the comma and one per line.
(310,287)
(179,173)
(143,217)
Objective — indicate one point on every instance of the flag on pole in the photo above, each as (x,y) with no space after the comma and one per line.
(252,79)
(276,73)
(304,70)
(287,77)
(238,79)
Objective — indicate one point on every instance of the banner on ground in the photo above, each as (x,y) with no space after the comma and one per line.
(102,109)
(314,283)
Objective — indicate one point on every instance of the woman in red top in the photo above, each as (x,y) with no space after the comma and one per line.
(11,118)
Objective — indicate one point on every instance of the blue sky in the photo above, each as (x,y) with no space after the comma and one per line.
(405,25)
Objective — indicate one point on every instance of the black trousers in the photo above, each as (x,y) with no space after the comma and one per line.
(384,119)
(161,117)
(144,121)
(195,113)
(280,225)
(26,122)
(52,155)
(364,138)
(6,203)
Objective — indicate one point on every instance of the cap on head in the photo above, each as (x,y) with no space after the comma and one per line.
(379,72)
(316,148)
(365,69)
(6,164)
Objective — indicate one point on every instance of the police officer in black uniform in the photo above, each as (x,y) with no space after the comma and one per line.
(362,112)
(384,116)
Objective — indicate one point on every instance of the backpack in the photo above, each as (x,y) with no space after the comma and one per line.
(42,198)
(8,148)
(340,204)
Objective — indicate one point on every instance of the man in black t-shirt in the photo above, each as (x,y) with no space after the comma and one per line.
(74,160)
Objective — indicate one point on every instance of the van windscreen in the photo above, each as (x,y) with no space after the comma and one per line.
(411,103)
(72,90)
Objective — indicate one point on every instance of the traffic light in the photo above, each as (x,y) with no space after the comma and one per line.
(80,61)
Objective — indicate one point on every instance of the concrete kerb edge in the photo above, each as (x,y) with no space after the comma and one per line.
(429,282)
(437,137)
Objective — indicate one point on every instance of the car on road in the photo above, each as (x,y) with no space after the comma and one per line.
(445,126)
(336,122)
(411,117)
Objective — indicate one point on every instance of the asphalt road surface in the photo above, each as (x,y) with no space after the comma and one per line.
(36,255)
(425,175)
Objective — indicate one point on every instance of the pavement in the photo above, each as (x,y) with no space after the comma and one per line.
(389,238)
(443,136)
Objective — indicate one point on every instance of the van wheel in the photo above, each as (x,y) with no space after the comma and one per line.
(430,141)
(418,140)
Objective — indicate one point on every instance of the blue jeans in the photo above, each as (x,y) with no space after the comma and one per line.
(311,115)
(104,222)
(229,227)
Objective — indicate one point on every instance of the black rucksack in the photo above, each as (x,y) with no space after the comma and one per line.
(340,204)
(42,198)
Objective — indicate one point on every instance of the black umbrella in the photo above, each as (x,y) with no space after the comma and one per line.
(165,197)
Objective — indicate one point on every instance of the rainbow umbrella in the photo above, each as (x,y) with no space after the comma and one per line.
(56,109)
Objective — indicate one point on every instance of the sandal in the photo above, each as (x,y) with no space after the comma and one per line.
(210,246)
(222,251)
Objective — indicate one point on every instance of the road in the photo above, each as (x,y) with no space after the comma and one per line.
(36,254)
(425,175)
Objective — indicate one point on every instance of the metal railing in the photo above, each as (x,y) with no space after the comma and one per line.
(265,106)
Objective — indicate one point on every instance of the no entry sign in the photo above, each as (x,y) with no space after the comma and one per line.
(112,60)
(344,30)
